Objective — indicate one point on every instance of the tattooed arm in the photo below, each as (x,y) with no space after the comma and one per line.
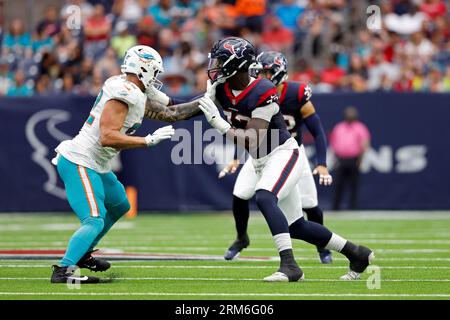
(156,110)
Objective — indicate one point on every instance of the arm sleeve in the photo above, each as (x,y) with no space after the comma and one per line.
(266,112)
(315,126)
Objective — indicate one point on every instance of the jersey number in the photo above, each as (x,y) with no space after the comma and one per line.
(236,119)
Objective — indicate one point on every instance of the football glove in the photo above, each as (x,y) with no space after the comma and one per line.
(211,89)
(159,135)
(212,115)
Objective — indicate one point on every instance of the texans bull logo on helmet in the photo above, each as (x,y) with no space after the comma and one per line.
(278,61)
(236,49)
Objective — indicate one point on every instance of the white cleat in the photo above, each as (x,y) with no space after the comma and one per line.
(351,275)
(280,277)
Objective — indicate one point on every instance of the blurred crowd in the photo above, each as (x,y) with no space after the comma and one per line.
(330,44)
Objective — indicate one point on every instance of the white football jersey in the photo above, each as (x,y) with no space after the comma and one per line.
(85,149)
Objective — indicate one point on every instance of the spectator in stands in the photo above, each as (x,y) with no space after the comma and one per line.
(185,10)
(288,11)
(68,48)
(349,140)
(68,83)
(433,8)
(405,83)
(161,12)
(404,18)
(251,13)
(123,40)
(379,69)
(129,11)
(147,32)
(446,80)
(412,53)
(97,30)
(6,77)
(419,48)
(20,88)
(50,25)
(332,73)
(108,65)
(17,41)
(176,84)
(42,42)
(275,36)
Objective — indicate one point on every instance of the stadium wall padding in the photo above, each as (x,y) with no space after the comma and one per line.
(406,168)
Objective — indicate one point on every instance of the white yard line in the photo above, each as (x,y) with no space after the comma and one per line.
(369,236)
(220,294)
(19,242)
(226,279)
(299,258)
(218,267)
(212,248)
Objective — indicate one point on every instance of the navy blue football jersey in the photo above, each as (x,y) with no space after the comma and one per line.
(292,99)
(238,110)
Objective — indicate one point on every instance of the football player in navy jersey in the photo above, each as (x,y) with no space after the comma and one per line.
(297,109)
(256,123)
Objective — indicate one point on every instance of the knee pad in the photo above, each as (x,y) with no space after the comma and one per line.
(96,223)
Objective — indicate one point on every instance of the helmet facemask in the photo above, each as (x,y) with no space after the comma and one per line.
(220,71)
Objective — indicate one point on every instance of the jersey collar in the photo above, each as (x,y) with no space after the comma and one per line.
(236,99)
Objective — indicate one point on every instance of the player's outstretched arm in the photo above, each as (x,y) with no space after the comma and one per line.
(111,122)
(249,138)
(158,111)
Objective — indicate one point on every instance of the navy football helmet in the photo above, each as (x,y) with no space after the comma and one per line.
(228,56)
(271,63)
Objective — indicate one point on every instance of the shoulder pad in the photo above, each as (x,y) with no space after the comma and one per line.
(120,89)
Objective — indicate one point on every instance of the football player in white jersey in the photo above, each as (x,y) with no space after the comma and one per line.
(83,163)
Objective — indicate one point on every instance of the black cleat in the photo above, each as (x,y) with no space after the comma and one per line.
(63,275)
(93,264)
(235,249)
(358,264)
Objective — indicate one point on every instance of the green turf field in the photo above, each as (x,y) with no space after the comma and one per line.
(412,251)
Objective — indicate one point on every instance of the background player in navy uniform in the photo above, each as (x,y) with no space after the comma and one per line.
(297,109)
(251,107)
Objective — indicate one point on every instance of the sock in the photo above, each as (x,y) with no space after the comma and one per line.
(343,246)
(314,214)
(82,240)
(267,203)
(310,232)
(241,213)
(112,216)
(349,250)
(336,243)
(283,241)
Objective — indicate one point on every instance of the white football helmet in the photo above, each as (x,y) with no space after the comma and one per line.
(146,63)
